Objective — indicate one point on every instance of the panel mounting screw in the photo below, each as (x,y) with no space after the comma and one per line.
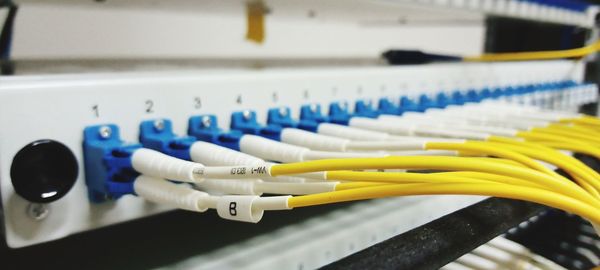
(313,108)
(246,114)
(206,121)
(105,132)
(37,211)
(159,125)
(283,111)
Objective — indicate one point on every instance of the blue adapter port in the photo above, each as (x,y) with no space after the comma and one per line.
(158,135)
(109,173)
(205,128)
(282,116)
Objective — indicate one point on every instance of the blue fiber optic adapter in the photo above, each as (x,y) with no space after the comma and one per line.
(386,106)
(282,117)
(312,112)
(245,121)
(109,173)
(339,113)
(158,135)
(408,105)
(364,108)
(205,128)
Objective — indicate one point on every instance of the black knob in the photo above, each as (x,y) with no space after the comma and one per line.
(43,171)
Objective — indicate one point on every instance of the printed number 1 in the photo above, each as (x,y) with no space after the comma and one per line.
(96,110)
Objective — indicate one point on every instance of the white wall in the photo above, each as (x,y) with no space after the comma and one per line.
(216,29)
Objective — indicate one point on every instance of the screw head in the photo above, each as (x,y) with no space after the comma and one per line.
(159,124)
(105,132)
(283,111)
(246,114)
(313,108)
(206,121)
(37,211)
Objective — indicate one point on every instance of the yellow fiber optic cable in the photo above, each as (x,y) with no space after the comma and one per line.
(585,177)
(545,197)
(411,178)
(451,177)
(569,134)
(493,151)
(491,177)
(589,183)
(429,162)
(389,179)
(554,157)
(532,136)
(353,185)
(492,159)
(583,149)
(539,55)
(573,128)
(587,186)
(584,128)
(583,121)
(587,119)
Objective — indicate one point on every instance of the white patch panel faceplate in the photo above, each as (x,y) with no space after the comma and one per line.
(59,107)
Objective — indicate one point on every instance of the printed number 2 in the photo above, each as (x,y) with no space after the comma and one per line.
(149,106)
(233,208)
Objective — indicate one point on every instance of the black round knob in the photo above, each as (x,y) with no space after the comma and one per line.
(43,171)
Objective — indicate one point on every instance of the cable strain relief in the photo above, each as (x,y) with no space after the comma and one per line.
(239,208)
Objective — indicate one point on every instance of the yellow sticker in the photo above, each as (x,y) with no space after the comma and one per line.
(255,16)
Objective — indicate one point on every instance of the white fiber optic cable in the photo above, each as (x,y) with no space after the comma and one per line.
(488,114)
(504,258)
(411,129)
(247,208)
(283,152)
(351,133)
(215,155)
(157,164)
(358,134)
(448,123)
(322,142)
(181,196)
(455,266)
(519,250)
(211,154)
(258,187)
(477,262)
(424,153)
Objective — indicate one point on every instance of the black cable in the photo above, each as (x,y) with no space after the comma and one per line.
(7,67)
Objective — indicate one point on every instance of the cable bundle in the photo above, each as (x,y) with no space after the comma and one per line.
(521,166)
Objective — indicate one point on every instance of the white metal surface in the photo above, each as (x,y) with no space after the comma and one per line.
(215,29)
(59,107)
(327,238)
(294,29)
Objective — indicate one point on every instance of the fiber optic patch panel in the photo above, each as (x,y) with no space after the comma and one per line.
(46,117)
